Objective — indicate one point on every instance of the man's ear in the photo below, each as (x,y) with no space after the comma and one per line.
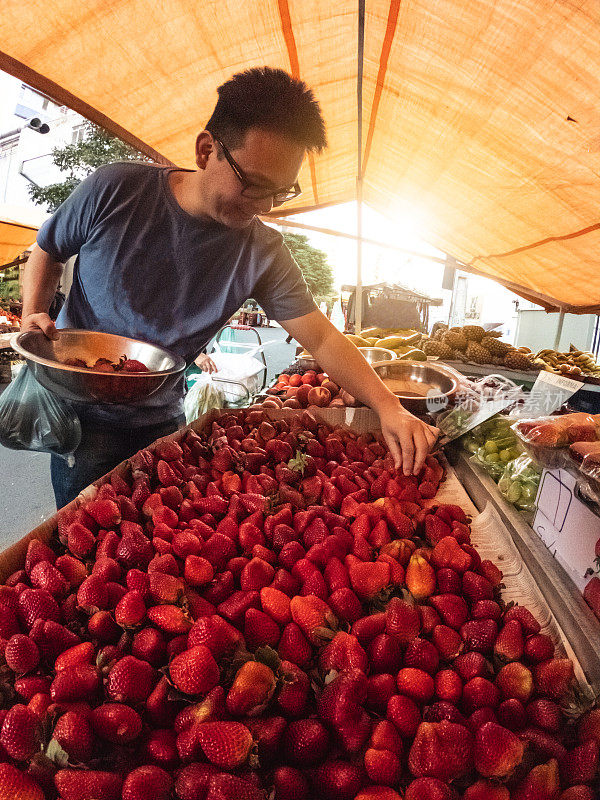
(204,147)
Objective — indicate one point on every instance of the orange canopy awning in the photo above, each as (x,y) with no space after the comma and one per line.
(14,239)
(481,118)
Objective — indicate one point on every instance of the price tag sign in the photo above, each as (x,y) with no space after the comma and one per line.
(548,394)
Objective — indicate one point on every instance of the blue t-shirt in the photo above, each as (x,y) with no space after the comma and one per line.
(149,270)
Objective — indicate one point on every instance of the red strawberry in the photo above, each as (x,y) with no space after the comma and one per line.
(538,647)
(405,715)
(252,688)
(447,553)
(471,665)
(21,653)
(436,529)
(17,785)
(130,610)
(343,653)
(289,783)
(305,742)
(35,604)
(75,784)
(382,758)
(589,725)
(338,780)
(260,629)
(448,642)
(402,620)
(498,751)
(75,682)
(528,622)
(429,789)
(580,765)
(416,684)
(80,540)
(476,587)
(170,619)
(224,786)
(345,605)
(542,783)
(45,575)
(554,677)
(543,744)
(293,694)
(546,714)
(116,723)
(442,750)
(486,790)
(479,634)
(512,715)
(385,654)
(448,685)
(452,609)
(480,693)
(314,617)
(149,645)
(104,511)
(194,671)
(225,744)
(130,680)
(510,644)
(422,654)
(578,793)
(73,733)
(486,609)
(215,633)
(515,680)
(147,781)
(20,735)
(294,646)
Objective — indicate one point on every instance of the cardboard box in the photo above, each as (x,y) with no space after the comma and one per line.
(566,524)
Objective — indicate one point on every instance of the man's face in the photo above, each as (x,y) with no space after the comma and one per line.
(269,160)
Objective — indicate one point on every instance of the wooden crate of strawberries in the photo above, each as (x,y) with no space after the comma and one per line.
(261,606)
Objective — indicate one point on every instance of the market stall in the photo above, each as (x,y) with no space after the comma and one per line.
(389,604)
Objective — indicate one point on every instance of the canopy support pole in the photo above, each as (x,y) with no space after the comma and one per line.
(359,175)
(559,328)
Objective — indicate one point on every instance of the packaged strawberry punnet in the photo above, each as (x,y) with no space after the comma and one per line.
(266,607)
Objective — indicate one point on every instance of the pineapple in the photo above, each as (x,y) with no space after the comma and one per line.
(516,360)
(475,352)
(474,333)
(495,346)
(456,340)
(437,348)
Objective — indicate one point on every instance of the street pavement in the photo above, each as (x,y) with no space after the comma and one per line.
(26,497)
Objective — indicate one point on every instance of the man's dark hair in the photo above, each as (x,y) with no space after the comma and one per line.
(268,98)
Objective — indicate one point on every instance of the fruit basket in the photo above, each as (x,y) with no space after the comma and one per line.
(284,634)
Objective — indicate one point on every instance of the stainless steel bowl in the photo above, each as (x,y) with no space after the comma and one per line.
(46,360)
(421,386)
(374,354)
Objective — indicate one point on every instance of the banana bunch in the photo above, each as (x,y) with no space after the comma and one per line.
(572,364)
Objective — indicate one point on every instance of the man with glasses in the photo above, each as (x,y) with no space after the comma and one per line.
(168,255)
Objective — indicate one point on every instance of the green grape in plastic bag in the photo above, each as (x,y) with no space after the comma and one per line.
(519,482)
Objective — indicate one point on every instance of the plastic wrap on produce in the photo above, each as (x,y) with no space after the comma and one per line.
(546,438)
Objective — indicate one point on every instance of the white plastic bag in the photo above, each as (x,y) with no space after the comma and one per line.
(234,369)
(203,395)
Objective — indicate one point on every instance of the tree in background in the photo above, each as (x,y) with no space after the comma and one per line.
(313,264)
(79,160)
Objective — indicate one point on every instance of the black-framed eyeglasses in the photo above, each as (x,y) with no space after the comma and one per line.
(250,189)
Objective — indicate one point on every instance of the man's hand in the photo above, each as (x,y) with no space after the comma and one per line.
(408,438)
(39,322)
(206,363)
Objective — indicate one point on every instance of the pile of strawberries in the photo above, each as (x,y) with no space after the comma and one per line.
(271,610)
